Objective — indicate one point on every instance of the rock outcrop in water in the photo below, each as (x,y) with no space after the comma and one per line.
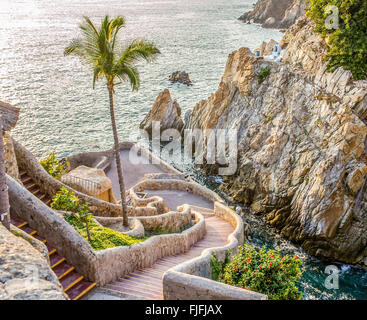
(166,111)
(180,77)
(302,144)
(279,14)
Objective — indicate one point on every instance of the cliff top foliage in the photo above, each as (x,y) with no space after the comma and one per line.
(264,271)
(347,41)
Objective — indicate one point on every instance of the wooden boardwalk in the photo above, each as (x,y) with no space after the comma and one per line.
(147,283)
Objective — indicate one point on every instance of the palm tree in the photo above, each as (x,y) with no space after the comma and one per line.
(116,65)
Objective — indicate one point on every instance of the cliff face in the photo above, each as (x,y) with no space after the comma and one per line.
(302,158)
(166,111)
(275,13)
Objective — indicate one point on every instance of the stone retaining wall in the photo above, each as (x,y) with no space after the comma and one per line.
(168,222)
(117,262)
(59,234)
(106,265)
(51,186)
(191,279)
(172,184)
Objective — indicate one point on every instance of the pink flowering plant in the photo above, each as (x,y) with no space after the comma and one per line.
(264,271)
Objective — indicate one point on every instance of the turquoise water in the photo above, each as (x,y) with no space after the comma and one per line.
(61,112)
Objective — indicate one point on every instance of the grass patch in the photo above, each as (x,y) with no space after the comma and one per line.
(102,237)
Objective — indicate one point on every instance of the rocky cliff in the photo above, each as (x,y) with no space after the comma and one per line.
(166,111)
(24,273)
(302,160)
(279,14)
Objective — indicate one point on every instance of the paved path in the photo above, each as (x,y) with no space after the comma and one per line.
(175,198)
(133,172)
(147,283)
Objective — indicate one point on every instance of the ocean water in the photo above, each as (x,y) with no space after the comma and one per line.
(60,111)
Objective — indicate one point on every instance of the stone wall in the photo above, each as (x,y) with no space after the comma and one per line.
(117,262)
(11,165)
(51,186)
(191,280)
(189,186)
(168,222)
(106,265)
(24,273)
(59,234)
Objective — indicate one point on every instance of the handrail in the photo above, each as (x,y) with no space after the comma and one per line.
(90,187)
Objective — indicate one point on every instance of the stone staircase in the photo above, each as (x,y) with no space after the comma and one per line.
(73,283)
(147,283)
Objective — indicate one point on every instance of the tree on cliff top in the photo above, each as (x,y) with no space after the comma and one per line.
(99,48)
(348,42)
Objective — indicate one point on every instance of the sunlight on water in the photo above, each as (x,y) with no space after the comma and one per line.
(60,111)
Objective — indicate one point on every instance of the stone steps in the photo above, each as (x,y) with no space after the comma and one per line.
(147,283)
(73,283)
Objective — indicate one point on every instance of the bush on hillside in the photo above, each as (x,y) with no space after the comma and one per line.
(348,43)
(263,271)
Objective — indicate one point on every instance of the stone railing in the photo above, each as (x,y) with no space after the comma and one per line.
(117,262)
(107,265)
(168,222)
(172,184)
(51,186)
(102,159)
(191,279)
(59,234)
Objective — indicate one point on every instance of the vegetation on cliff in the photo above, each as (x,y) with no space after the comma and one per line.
(348,41)
(264,271)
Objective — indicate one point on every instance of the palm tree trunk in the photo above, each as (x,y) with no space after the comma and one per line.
(87,229)
(118,159)
(4,196)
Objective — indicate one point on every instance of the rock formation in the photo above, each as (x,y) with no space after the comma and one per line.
(180,77)
(279,14)
(166,111)
(266,48)
(24,273)
(302,160)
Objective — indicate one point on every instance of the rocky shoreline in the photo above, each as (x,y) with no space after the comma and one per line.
(301,131)
(279,14)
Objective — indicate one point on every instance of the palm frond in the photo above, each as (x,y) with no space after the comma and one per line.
(131,73)
(139,49)
(97,46)
(75,47)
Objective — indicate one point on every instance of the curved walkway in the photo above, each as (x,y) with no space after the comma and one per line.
(147,283)
(133,171)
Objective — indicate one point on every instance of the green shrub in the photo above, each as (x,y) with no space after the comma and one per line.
(65,200)
(100,238)
(53,166)
(264,271)
(263,74)
(218,266)
(348,44)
